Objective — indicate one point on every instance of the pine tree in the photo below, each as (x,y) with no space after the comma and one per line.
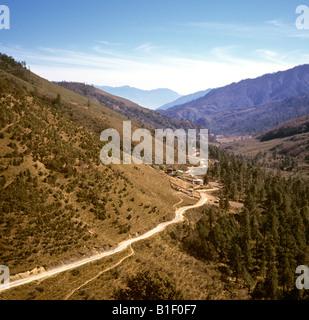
(256,235)
(247,278)
(286,272)
(234,192)
(245,225)
(250,203)
(271,281)
(236,260)
(206,180)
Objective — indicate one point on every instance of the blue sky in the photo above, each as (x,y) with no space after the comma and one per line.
(186,46)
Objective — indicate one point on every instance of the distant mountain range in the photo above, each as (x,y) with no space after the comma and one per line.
(250,106)
(185,99)
(151,99)
(143,116)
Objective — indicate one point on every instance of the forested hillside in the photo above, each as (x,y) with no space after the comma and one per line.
(287,129)
(262,245)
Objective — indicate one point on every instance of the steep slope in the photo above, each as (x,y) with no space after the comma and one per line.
(57,200)
(259,119)
(128,108)
(151,99)
(185,99)
(287,129)
(225,109)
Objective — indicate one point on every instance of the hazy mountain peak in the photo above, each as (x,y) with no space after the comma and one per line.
(185,99)
(151,99)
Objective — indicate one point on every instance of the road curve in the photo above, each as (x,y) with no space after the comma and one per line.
(122,246)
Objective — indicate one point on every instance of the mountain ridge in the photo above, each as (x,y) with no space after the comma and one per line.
(246,97)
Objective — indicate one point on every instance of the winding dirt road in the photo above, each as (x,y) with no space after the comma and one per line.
(122,246)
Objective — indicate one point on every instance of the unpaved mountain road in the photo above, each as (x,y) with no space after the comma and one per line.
(122,246)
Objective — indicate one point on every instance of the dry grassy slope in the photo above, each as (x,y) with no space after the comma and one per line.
(57,200)
(42,87)
(198,280)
